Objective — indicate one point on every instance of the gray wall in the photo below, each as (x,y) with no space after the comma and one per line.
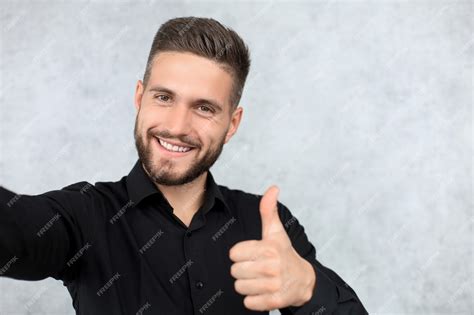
(360,111)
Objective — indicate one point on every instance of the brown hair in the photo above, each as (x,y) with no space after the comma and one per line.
(208,38)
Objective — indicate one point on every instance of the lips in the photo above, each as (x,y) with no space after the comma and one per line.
(175,143)
(167,149)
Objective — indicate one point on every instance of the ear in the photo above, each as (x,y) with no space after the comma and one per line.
(234,123)
(138,94)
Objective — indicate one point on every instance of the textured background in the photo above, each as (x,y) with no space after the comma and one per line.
(360,111)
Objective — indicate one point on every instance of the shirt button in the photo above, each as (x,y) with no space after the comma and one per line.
(188,233)
(199,285)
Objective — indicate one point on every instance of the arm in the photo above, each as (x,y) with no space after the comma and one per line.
(331,295)
(39,234)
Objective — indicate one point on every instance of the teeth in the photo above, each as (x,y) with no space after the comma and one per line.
(173,148)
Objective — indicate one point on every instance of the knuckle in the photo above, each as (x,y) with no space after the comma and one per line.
(238,285)
(233,252)
(247,302)
(274,286)
(269,252)
(276,300)
(270,271)
(233,270)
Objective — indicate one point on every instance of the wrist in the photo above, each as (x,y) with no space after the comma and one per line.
(309,283)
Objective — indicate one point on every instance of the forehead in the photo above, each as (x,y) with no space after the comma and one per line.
(190,75)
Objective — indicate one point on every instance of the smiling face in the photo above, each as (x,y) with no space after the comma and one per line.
(186,103)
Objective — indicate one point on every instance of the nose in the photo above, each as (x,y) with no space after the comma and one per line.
(178,120)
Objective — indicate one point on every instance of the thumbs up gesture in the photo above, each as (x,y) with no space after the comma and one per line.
(269,272)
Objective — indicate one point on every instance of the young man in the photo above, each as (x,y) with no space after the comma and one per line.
(166,239)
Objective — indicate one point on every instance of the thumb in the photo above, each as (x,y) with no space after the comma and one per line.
(269,212)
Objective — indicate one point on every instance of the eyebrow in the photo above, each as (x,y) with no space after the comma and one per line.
(159,88)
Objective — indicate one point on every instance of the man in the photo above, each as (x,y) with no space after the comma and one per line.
(166,239)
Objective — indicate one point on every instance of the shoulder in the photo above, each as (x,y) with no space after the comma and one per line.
(84,187)
(238,194)
(88,194)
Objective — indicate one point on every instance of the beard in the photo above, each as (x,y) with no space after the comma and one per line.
(163,171)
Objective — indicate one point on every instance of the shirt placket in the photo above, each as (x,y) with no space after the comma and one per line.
(198,275)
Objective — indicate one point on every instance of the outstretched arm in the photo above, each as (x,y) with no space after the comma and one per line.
(39,234)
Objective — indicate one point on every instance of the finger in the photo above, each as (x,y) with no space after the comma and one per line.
(256,286)
(268,211)
(245,250)
(254,269)
(263,302)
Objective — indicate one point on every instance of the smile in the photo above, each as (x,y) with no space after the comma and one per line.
(179,150)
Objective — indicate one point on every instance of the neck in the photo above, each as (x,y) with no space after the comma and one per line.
(187,198)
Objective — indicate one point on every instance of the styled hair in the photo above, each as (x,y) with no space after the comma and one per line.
(207,38)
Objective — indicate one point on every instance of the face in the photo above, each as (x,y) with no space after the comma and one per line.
(186,103)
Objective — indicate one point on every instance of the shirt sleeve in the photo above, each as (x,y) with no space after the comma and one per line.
(40,234)
(331,294)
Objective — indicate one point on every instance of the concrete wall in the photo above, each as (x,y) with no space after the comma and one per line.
(360,111)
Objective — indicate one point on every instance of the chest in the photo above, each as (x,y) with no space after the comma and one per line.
(180,268)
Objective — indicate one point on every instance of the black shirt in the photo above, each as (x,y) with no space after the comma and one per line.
(119,248)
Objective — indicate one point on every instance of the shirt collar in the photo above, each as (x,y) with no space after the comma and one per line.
(140,186)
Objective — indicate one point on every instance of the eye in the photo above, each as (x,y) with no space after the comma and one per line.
(207,109)
(161,97)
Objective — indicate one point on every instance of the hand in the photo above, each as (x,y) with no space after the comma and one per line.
(269,271)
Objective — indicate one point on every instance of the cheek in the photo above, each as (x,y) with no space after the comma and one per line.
(148,120)
(212,141)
